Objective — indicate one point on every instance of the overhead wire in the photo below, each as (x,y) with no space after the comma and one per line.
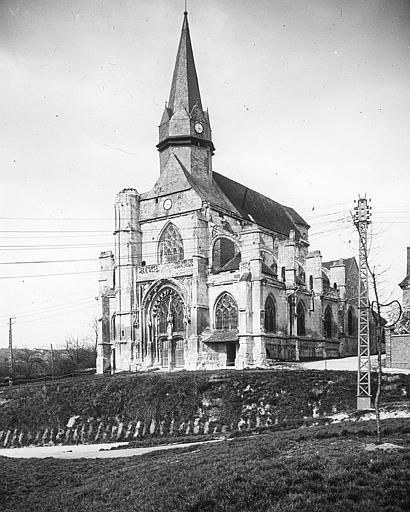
(50,307)
(45,261)
(66,295)
(56,307)
(50,275)
(57,314)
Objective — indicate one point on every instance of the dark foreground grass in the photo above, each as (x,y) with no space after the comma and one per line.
(317,469)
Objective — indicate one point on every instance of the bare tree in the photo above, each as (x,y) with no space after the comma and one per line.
(31,363)
(95,326)
(80,351)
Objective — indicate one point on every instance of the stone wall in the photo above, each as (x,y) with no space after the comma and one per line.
(89,431)
(397,350)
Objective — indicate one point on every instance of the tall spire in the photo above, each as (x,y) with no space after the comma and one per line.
(184,88)
(185,129)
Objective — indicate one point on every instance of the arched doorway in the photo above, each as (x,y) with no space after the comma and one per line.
(169,329)
(300,313)
(226,319)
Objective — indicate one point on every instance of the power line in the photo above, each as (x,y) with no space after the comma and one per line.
(36,237)
(52,308)
(76,294)
(45,261)
(325,205)
(56,218)
(37,247)
(51,275)
(54,231)
(339,228)
(56,314)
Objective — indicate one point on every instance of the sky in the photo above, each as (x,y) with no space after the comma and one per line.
(309,103)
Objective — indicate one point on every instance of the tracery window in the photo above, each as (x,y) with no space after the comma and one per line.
(226,312)
(171,246)
(170,308)
(270,315)
(327,323)
(300,313)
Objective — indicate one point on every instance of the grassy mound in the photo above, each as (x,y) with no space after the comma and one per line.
(223,398)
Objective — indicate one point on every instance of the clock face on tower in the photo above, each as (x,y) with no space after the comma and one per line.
(167,204)
(198,127)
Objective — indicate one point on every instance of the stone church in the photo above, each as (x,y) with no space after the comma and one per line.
(208,273)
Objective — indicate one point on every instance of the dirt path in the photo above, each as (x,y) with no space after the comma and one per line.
(89,451)
(345,363)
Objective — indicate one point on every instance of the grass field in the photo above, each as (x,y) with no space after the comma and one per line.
(311,469)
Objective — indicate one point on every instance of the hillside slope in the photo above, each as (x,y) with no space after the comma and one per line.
(136,406)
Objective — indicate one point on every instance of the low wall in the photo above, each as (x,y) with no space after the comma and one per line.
(89,431)
(398,350)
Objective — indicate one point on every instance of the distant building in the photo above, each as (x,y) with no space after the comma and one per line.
(208,273)
(405,285)
(398,341)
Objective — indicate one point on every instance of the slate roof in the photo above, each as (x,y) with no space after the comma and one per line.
(268,270)
(255,207)
(348,262)
(185,87)
(231,196)
(405,283)
(175,178)
(222,336)
(232,264)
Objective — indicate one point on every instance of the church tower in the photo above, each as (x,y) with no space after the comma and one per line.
(185,130)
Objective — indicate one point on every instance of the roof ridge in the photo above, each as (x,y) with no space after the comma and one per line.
(259,208)
(261,194)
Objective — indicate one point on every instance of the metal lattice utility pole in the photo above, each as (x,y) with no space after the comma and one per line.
(362,220)
(11,320)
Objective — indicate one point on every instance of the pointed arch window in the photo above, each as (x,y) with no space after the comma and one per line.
(171,246)
(350,322)
(270,315)
(300,312)
(226,313)
(327,323)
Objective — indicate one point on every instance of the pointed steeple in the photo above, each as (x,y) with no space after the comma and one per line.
(185,128)
(184,88)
